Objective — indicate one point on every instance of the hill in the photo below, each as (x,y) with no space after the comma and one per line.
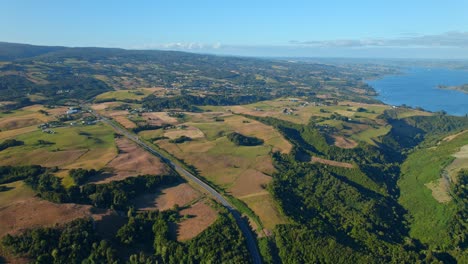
(321,170)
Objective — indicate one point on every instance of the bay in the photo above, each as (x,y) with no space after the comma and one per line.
(418,87)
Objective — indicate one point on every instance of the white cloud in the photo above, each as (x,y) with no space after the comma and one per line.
(448,39)
(182,46)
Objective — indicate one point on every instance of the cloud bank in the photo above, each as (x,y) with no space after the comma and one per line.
(449,45)
(452,39)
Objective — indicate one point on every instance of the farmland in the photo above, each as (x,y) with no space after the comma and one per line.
(122,95)
(242,171)
(321,170)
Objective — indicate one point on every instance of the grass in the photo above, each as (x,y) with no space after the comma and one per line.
(150,134)
(236,170)
(267,210)
(372,135)
(19,191)
(136,94)
(74,147)
(429,219)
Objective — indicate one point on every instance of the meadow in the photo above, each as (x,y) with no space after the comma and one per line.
(429,218)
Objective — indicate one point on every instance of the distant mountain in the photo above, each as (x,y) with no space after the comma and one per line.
(13,51)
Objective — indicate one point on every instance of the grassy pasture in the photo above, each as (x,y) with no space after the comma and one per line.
(422,170)
(372,134)
(18,191)
(74,147)
(362,126)
(135,94)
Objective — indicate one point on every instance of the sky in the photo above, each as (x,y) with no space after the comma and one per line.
(292,28)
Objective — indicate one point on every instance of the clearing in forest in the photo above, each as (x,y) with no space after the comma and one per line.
(332,163)
(199,217)
(167,198)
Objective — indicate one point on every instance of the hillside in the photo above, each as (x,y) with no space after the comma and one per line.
(96,146)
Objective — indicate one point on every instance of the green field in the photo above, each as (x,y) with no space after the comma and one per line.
(79,146)
(17,191)
(136,94)
(429,218)
(372,134)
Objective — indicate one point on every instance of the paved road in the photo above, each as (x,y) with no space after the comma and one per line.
(244,227)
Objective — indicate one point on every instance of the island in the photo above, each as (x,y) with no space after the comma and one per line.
(461,88)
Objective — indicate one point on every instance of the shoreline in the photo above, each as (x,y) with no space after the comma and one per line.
(460,88)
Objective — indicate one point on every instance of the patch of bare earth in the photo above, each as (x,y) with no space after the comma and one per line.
(440,190)
(103,106)
(460,162)
(17,122)
(200,216)
(125,122)
(451,137)
(343,142)
(159,118)
(332,163)
(131,161)
(250,182)
(34,212)
(181,195)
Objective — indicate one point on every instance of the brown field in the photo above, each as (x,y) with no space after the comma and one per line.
(250,182)
(201,216)
(181,195)
(117,113)
(16,132)
(159,118)
(23,211)
(17,122)
(56,111)
(34,212)
(191,132)
(131,161)
(241,171)
(332,163)
(104,106)
(124,121)
(343,142)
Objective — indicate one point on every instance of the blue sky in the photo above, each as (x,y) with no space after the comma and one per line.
(358,28)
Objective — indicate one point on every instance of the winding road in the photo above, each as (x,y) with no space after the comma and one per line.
(241,222)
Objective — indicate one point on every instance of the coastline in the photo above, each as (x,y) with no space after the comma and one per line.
(460,88)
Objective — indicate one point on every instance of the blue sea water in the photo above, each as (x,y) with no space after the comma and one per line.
(418,87)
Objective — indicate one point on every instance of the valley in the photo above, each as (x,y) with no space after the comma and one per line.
(178,157)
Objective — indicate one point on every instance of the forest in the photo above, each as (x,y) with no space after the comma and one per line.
(144,238)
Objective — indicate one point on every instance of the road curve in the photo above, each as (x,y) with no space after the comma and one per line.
(241,222)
